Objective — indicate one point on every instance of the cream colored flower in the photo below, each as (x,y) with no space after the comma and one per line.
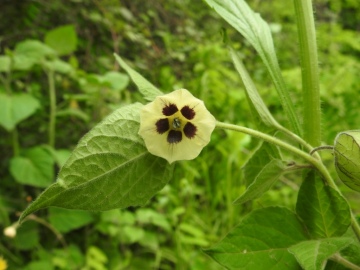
(176,126)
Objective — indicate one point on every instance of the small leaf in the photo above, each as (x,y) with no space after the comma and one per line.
(5,63)
(266,178)
(260,241)
(15,108)
(146,88)
(62,39)
(34,167)
(262,156)
(65,220)
(252,93)
(117,80)
(312,254)
(239,15)
(324,211)
(30,52)
(347,158)
(58,65)
(110,168)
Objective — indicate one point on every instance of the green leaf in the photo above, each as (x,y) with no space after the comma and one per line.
(262,156)
(239,15)
(146,88)
(324,211)
(65,220)
(29,53)
(15,108)
(62,39)
(116,80)
(35,167)
(312,254)
(110,168)
(5,63)
(252,94)
(27,236)
(266,178)
(260,241)
(347,158)
(58,65)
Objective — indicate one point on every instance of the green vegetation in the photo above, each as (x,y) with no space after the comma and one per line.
(256,187)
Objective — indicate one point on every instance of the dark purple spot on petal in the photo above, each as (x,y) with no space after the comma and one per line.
(190,130)
(187,112)
(162,125)
(174,136)
(169,109)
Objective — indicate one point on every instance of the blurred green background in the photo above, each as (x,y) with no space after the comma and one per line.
(59,79)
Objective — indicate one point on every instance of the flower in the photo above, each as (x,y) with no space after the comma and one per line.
(3,263)
(176,126)
(10,231)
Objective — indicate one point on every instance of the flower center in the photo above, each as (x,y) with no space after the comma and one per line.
(176,123)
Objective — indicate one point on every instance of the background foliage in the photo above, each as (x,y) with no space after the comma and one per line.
(59,78)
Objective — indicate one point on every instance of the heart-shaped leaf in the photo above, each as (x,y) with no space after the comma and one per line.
(322,208)
(260,241)
(35,167)
(62,39)
(15,108)
(110,168)
(312,255)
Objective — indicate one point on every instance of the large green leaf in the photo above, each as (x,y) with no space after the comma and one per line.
(35,167)
(147,89)
(322,208)
(15,108)
(347,158)
(239,15)
(260,158)
(266,178)
(251,92)
(312,254)
(261,241)
(62,39)
(110,168)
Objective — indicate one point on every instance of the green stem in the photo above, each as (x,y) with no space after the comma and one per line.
(295,137)
(52,117)
(314,161)
(349,265)
(310,72)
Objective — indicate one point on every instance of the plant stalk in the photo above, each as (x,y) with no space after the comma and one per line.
(310,72)
(312,160)
(349,265)
(52,116)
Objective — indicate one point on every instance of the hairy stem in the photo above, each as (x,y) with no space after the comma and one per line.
(309,71)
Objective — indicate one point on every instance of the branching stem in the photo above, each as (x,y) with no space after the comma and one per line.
(313,161)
